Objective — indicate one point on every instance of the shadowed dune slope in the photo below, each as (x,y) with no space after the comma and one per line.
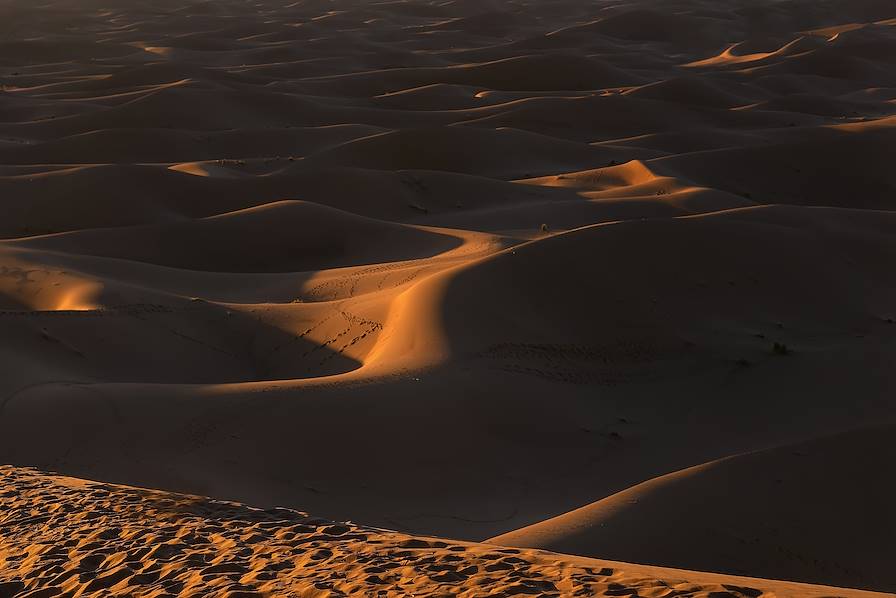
(766,500)
(286,236)
(684,288)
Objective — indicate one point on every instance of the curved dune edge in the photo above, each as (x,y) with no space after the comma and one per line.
(765,497)
(332,316)
(65,535)
(475,305)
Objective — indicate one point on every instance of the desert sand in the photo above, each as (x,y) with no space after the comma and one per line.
(610,279)
(71,537)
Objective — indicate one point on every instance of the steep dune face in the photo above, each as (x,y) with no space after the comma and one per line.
(767,499)
(460,268)
(720,294)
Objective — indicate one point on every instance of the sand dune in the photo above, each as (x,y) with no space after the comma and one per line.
(765,499)
(526,73)
(606,278)
(152,542)
(285,236)
(501,153)
(621,300)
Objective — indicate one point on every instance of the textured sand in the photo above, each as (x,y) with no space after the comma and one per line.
(67,537)
(613,278)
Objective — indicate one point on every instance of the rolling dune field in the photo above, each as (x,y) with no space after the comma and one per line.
(545,297)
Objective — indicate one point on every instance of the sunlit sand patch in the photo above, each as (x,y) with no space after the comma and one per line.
(33,286)
(81,297)
(832,33)
(158,50)
(728,57)
(217,548)
(205,169)
(631,173)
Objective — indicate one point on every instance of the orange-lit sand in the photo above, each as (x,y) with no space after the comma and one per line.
(611,278)
(67,537)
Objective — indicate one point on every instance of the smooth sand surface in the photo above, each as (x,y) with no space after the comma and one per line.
(609,278)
